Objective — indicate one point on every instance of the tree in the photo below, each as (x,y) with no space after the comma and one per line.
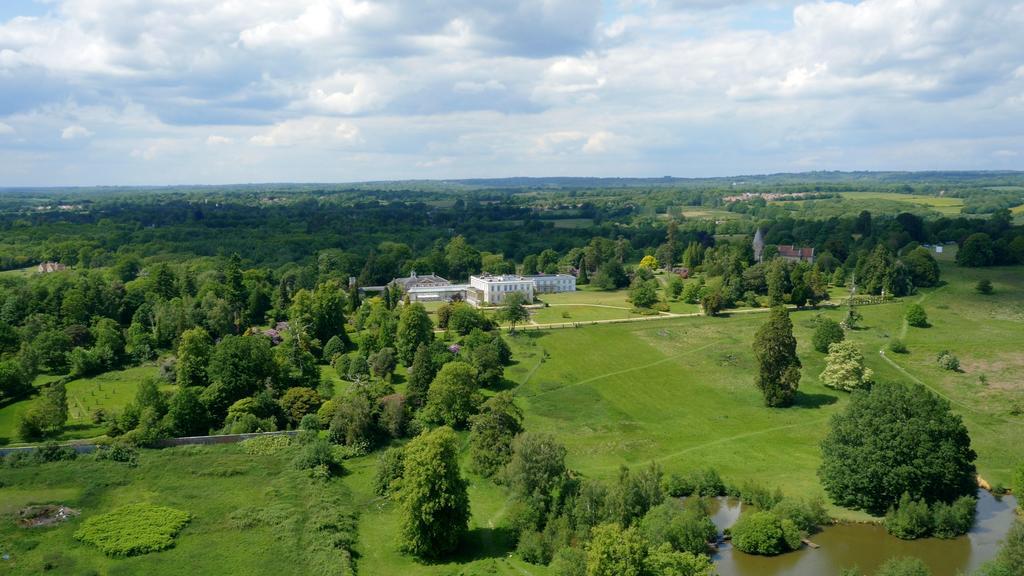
(333,348)
(462,259)
(383,363)
(355,417)
(712,302)
(491,433)
(776,282)
(778,373)
(916,316)
(924,270)
(463,318)
(47,415)
(299,401)
(893,439)
(240,366)
(977,250)
(844,368)
(826,331)
(194,351)
(15,381)
(984,286)
(452,397)
(186,414)
(665,561)
(320,313)
(414,329)
(434,497)
(674,288)
(514,311)
(643,293)
(487,360)
(295,364)
(613,551)
(420,376)
(610,275)
(764,533)
(649,262)
(537,467)
(686,529)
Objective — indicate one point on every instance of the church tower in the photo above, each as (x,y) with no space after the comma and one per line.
(758,245)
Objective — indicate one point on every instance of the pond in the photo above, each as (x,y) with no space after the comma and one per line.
(868,545)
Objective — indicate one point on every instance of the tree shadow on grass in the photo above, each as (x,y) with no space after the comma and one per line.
(482,543)
(504,384)
(814,401)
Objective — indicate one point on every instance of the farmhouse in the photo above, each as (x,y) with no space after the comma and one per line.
(796,253)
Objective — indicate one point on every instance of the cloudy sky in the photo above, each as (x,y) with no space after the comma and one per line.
(222,91)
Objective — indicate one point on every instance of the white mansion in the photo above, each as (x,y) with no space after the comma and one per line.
(483,290)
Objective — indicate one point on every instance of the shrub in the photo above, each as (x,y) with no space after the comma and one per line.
(317,457)
(118,452)
(390,466)
(53,452)
(134,529)
(910,519)
(827,331)
(952,520)
(265,445)
(763,533)
(948,361)
(916,316)
(984,286)
(569,562)
(760,496)
(898,346)
(807,515)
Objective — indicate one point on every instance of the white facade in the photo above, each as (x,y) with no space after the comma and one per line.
(492,290)
(553,283)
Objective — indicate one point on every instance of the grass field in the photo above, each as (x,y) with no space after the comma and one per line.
(110,391)
(947,206)
(213,484)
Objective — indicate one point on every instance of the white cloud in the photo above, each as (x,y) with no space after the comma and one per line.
(217,140)
(262,89)
(313,130)
(75,132)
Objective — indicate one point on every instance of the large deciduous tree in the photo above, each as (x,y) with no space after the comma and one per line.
(435,502)
(194,351)
(778,374)
(453,396)
(513,311)
(491,433)
(894,439)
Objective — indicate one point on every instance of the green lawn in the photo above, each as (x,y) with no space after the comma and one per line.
(579,313)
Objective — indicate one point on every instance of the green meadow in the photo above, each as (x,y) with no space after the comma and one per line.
(676,391)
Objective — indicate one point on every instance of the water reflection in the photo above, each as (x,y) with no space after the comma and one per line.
(867,546)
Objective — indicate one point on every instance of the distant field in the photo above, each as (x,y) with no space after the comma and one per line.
(572,222)
(19,271)
(697,213)
(945,205)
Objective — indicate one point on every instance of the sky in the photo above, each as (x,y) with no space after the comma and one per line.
(133,92)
